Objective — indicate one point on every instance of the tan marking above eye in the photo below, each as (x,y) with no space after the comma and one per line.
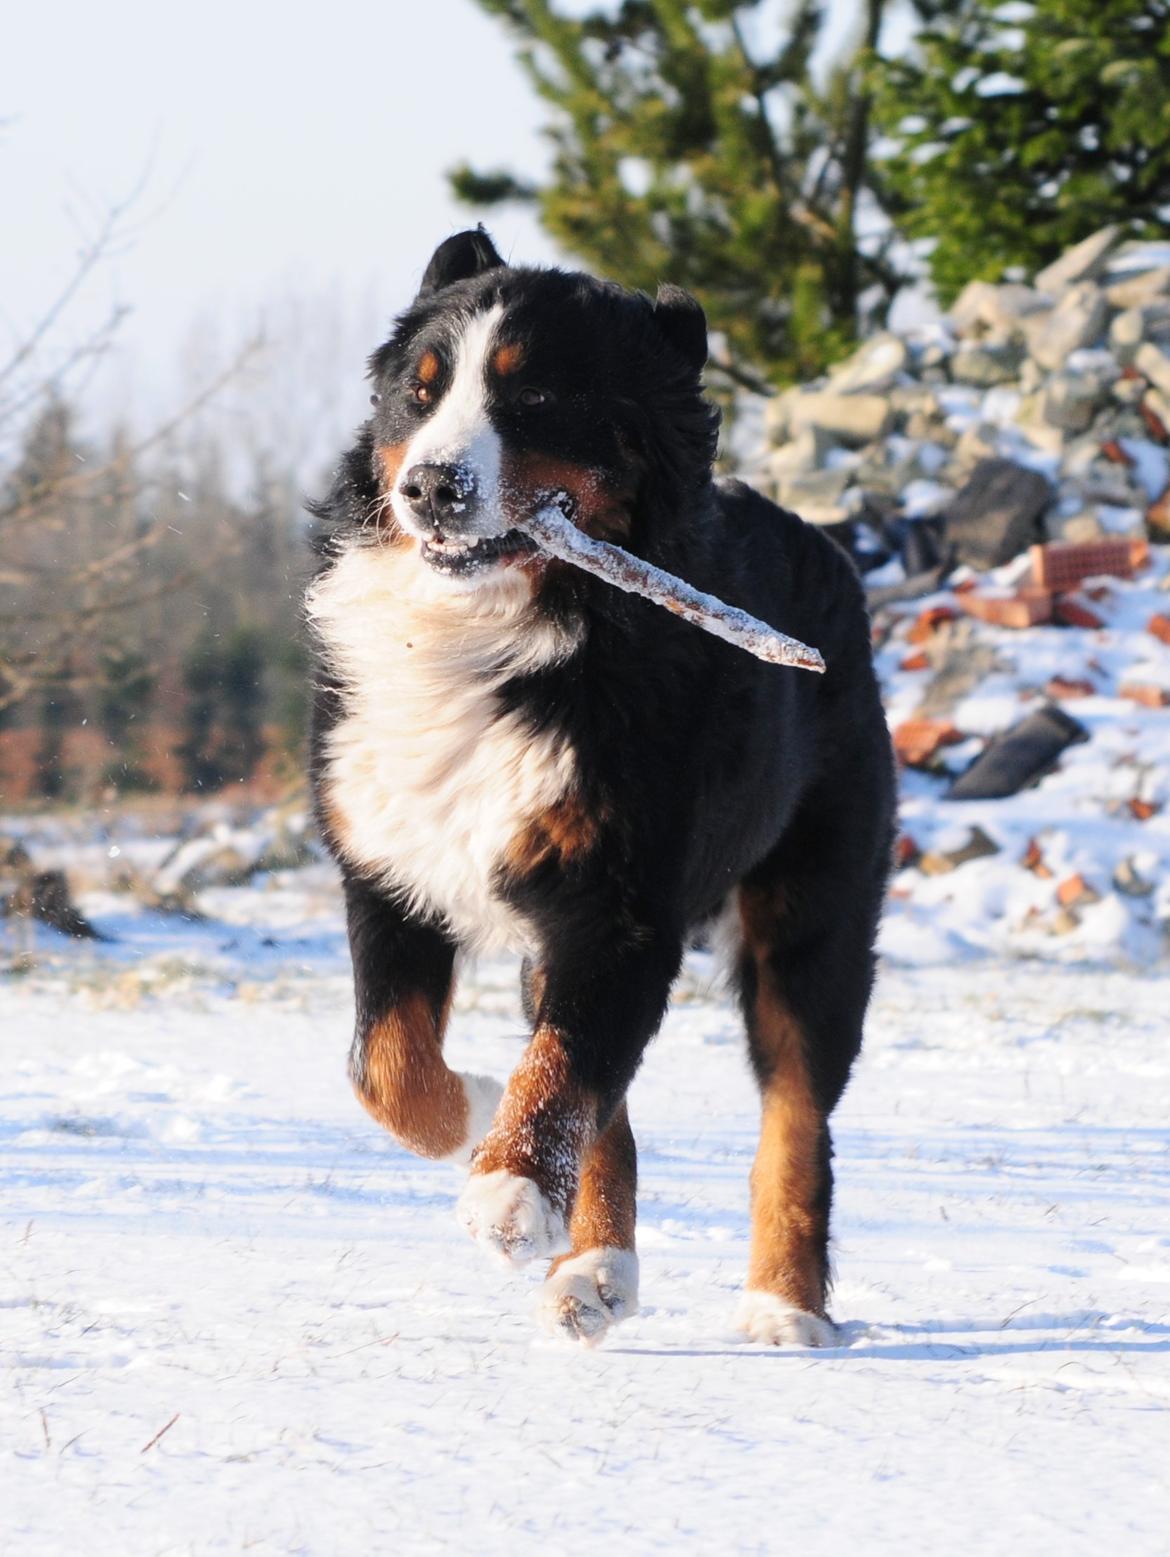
(508,358)
(428,367)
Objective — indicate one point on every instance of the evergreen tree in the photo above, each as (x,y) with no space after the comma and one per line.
(201,681)
(1021,129)
(125,692)
(691,146)
(58,714)
(223,716)
(242,691)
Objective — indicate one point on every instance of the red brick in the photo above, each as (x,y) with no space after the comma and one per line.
(906,851)
(1074,891)
(1070,611)
(1143,810)
(1033,860)
(928,621)
(1145,693)
(1061,565)
(1021,609)
(1155,426)
(1060,687)
(916,741)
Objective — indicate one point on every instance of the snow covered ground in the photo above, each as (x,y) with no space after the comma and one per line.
(205,1238)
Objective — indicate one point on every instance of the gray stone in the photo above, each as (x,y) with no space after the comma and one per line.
(915,400)
(1159,404)
(815,495)
(932,359)
(1108,485)
(1133,291)
(1078,527)
(998,513)
(1047,438)
(979,442)
(1152,361)
(1128,391)
(874,368)
(1071,400)
(982,307)
(854,420)
(1078,320)
(1080,263)
(777,414)
(986,364)
(1126,334)
(801,454)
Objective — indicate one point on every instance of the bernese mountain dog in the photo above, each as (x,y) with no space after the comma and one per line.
(508,754)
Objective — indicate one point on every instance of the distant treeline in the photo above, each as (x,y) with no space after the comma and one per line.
(150,632)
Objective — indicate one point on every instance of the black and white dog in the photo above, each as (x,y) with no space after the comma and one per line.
(508,754)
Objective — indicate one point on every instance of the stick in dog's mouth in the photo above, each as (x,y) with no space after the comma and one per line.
(555,533)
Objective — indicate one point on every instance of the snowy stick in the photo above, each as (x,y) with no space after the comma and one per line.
(556,534)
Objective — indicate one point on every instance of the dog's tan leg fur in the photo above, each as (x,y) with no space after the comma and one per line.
(789,1214)
(596,1283)
(605,1210)
(400,1076)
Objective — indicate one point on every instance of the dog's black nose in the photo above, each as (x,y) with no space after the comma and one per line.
(439,494)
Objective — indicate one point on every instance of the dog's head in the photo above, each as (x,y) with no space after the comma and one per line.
(503,389)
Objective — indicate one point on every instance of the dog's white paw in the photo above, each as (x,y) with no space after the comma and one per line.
(483,1098)
(510,1216)
(584,1296)
(763,1316)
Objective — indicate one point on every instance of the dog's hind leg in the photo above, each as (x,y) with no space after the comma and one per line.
(403,983)
(596,1283)
(805,972)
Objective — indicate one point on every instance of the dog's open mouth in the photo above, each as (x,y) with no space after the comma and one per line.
(475,553)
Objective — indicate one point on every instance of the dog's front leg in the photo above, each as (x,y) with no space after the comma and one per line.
(403,982)
(596,1013)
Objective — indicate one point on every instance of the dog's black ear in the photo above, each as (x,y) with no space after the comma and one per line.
(682,320)
(459,258)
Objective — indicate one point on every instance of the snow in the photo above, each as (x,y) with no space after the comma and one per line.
(1081,817)
(205,1237)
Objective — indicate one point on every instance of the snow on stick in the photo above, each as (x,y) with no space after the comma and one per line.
(556,534)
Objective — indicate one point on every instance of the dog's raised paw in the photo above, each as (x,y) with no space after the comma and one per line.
(511,1217)
(584,1296)
(764,1317)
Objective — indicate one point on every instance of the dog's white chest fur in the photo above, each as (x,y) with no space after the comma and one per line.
(427,782)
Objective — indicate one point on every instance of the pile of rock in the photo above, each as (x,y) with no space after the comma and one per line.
(1028,413)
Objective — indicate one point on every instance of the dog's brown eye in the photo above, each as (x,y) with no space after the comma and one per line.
(530,396)
(421,393)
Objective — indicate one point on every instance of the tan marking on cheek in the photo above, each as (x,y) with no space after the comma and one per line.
(545,1123)
(601,509)
(605,1211)
(788,1225)
(508,358)
(428,368)
(566,831)
(389,459)
(405,1083)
